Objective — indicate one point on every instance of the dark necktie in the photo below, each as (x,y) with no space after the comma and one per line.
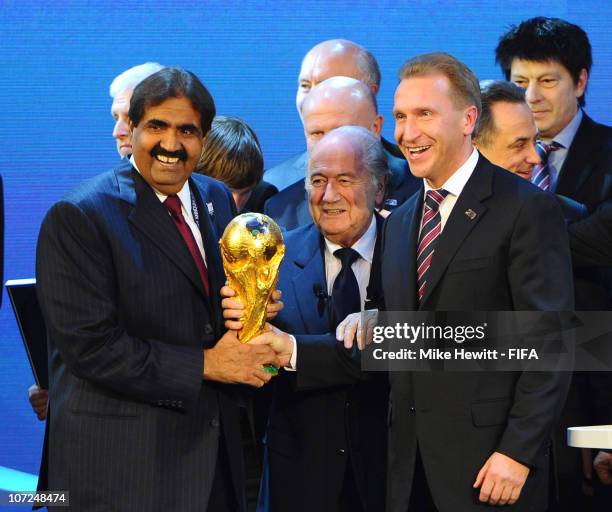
(431,227)
(173,203)
(541,173)
(345,292)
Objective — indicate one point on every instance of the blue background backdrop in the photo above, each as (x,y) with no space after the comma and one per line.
(57,61)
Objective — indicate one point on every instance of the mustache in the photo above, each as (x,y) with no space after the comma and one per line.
(181,154)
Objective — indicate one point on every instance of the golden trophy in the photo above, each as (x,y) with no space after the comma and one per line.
(252,250)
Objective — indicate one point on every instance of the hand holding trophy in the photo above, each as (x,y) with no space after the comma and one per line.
(252,250)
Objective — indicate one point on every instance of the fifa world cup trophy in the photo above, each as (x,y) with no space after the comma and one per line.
(252,249)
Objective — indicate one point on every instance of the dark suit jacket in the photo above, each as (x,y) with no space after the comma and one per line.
(290,206)
(260,194)
(317,424)
(586,177)
(133,426)
(513,255)
(591,238)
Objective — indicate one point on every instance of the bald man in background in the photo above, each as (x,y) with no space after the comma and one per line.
(334,57)
(335,102)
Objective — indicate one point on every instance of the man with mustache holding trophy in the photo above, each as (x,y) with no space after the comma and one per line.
(128,274)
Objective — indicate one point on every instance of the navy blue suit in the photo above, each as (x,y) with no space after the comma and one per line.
(290,206)
(133,425)
(321,416)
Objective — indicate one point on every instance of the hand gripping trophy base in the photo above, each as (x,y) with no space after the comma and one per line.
(252,249)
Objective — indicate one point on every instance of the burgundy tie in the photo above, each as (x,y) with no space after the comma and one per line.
(173,203)
(430,230)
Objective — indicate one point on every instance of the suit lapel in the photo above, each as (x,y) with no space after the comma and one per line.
(577,166)
(151,217)
(210,239)
(466,213)
(405,247)
(309,272)
(302,209)
(374,294)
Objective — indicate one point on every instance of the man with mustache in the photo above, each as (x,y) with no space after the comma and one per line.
(120,90)
(128,273)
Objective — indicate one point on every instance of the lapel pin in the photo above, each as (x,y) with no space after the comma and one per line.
(471,214)
(211,209)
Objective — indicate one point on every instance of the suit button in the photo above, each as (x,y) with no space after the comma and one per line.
(341,451)
(173,403)
(347,405)
(208,329)
(215,422)
(412,410)
(160,402)
(180,403)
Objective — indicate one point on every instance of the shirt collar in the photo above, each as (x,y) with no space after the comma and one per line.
(566,136)
(454,185)
(364,246)
(184,194)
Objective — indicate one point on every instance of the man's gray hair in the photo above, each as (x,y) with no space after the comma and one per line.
(130,78)
(373,158)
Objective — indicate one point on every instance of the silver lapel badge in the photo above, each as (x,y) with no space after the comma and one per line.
(211,209)
(471,214)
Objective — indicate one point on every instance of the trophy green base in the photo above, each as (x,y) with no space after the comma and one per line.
(272,370)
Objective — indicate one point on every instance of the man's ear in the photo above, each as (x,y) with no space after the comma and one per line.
(583,78)
(377,125)
(381,187)
(471,116)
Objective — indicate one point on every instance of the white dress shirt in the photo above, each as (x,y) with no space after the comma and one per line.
(454,185)
(361,268)
(564,138)
(184,196)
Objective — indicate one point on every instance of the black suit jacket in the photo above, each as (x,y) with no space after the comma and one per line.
(132,424)
(321,417)
(512,255)
(260,194)
(591,238)
(586,177)
(290,206)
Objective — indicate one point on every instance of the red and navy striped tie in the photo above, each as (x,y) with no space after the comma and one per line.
(541,172)
(431,227)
